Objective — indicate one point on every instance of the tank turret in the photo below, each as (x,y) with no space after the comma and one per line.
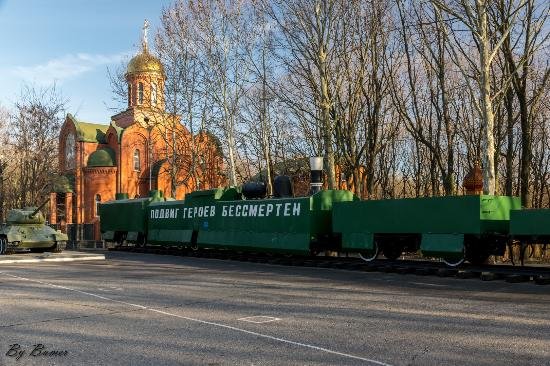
(27,215)
(26,228)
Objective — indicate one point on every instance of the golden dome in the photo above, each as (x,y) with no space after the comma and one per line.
(144,62)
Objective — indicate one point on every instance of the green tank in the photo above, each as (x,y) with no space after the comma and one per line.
(26,228)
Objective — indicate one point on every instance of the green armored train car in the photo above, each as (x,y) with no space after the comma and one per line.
(221,219)
(531,225)
(125,220)
(454,228)
(528,227)
(176,223)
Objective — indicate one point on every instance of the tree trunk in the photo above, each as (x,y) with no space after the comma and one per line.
(327,126)
(488,154)
(525,150)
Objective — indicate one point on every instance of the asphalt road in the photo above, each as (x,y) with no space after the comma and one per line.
(137,309)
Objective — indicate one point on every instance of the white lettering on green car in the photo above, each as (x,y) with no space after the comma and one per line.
(286,209)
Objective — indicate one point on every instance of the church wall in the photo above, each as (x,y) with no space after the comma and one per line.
(133,139)
(97,181)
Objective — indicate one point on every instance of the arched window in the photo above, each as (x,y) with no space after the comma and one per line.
(137,160)
(97,202)
(140,93)
(129,94)
(153,94)
(70,151)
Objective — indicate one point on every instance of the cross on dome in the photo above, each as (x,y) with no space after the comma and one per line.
(144,40)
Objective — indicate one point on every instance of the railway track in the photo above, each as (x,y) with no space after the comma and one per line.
(504,272)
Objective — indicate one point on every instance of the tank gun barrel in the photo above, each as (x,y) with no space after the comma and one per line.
(39,208)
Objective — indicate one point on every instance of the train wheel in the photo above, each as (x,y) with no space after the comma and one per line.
(370,256)
(392,251)
(453,262)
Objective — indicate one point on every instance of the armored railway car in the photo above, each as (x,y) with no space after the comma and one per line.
(222,219)
(125,220)
(453,228)
(530,227)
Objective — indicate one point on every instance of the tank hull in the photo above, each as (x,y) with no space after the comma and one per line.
(34,237)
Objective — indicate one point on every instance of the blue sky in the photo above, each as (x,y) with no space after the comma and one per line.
(71,42)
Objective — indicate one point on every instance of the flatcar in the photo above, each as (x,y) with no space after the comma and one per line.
(530,227)
(453,228)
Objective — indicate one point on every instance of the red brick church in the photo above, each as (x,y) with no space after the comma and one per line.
(143,148)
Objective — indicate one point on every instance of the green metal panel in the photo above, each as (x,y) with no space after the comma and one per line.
(259,224)
(173,222)
(358,241)
(288,224)
(166,224)
(443,245)
(170,236)
(439,215)
(133,236)
(108,235)
(123,215)
(220,218)
(495,213)
(126,215)
(530,222)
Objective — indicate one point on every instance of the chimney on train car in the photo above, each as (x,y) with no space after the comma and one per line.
(316,166)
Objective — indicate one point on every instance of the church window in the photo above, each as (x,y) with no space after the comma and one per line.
(137,160)
(153,94)
(129,94)
(97,200)
(70,151)
(140,93)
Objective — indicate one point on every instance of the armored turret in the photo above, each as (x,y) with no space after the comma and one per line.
(26,228)
(27,215)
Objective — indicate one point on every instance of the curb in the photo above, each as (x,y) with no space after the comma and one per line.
(61,259)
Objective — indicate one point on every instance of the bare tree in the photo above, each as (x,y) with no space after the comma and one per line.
(308,32)
(361,93)
(176,44)
(474,15)
(34,127)
(222,36)
(520,45)
(425,99)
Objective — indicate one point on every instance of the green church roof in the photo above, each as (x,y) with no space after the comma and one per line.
(89,132)
(102,157)
(63,183)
